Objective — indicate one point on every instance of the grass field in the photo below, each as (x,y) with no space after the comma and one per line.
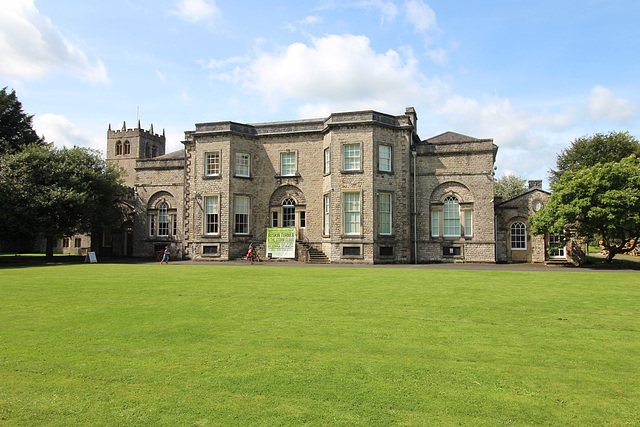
(111,344)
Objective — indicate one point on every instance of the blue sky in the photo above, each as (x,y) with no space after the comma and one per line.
(531,75)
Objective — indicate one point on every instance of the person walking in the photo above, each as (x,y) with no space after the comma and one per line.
(165,256)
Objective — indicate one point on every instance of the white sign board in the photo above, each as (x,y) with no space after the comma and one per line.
(91,257)
(281,242)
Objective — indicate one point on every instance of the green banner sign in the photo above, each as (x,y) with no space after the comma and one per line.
(281,242)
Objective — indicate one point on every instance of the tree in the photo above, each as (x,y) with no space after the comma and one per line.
(600,202)
(58,192)
(16,131)
(588,151)
(509,186)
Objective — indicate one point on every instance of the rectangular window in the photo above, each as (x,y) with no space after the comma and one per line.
(174,225)
(386,250)
(274,219)
(288,163)
(78,242)
(242,214)
(468,222)
(211,215)
(303,219)
(210,250)
(163,221)
(152,225)
(106,237)
(451,217)
(435,223)
(326,215)
(451,251)
(384,213)
(351,157)
(66,242)
(243,164)
(384,158)
(351,214)
(351,251)
(327,160)
(212,163)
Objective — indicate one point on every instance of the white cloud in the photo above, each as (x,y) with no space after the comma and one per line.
(58,129)
(197,10)
(603,104)
(421,16)
(342,71)
(311,19)
(387,9)
(32,47)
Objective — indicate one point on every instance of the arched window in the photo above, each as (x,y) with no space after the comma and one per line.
(147,151)
(127,147)
(288,212)
(451,217)
(118,148)
(518,236)
(163,219)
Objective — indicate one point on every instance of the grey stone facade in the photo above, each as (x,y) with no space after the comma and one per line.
(359,187)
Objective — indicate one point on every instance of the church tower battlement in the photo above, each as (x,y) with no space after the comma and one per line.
(125,146)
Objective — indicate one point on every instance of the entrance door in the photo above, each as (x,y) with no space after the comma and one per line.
(288,213)
(558,252)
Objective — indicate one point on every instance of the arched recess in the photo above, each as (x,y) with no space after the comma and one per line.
(162,216)
(287,207)
(451,188)
(287,192)
(451,211)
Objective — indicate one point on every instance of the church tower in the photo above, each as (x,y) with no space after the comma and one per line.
(125,146)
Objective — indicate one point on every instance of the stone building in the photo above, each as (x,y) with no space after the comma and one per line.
(357,187)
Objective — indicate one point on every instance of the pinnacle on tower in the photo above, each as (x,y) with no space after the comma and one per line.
(151,130)
(124,125)
(139,124)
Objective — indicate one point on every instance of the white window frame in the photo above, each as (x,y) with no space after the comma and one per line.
(351,212)
(242,214)
(385,214)
(352,157)
(302,219)
(327,160)
(173,218)
(518,236)
(243,165)
(327,215)
(451,217)
(435,222)
(211,215)
(152,224)
(468,222)
(384,158)
(559,252)
(163,219)
(288,213)
(212,167)
(288,163)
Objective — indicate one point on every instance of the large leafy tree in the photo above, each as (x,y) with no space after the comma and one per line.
(16,131)
(58,192)
(509,186)
(600,202)
(588,151)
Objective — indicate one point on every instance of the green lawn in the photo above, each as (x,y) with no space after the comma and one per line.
(108,344)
